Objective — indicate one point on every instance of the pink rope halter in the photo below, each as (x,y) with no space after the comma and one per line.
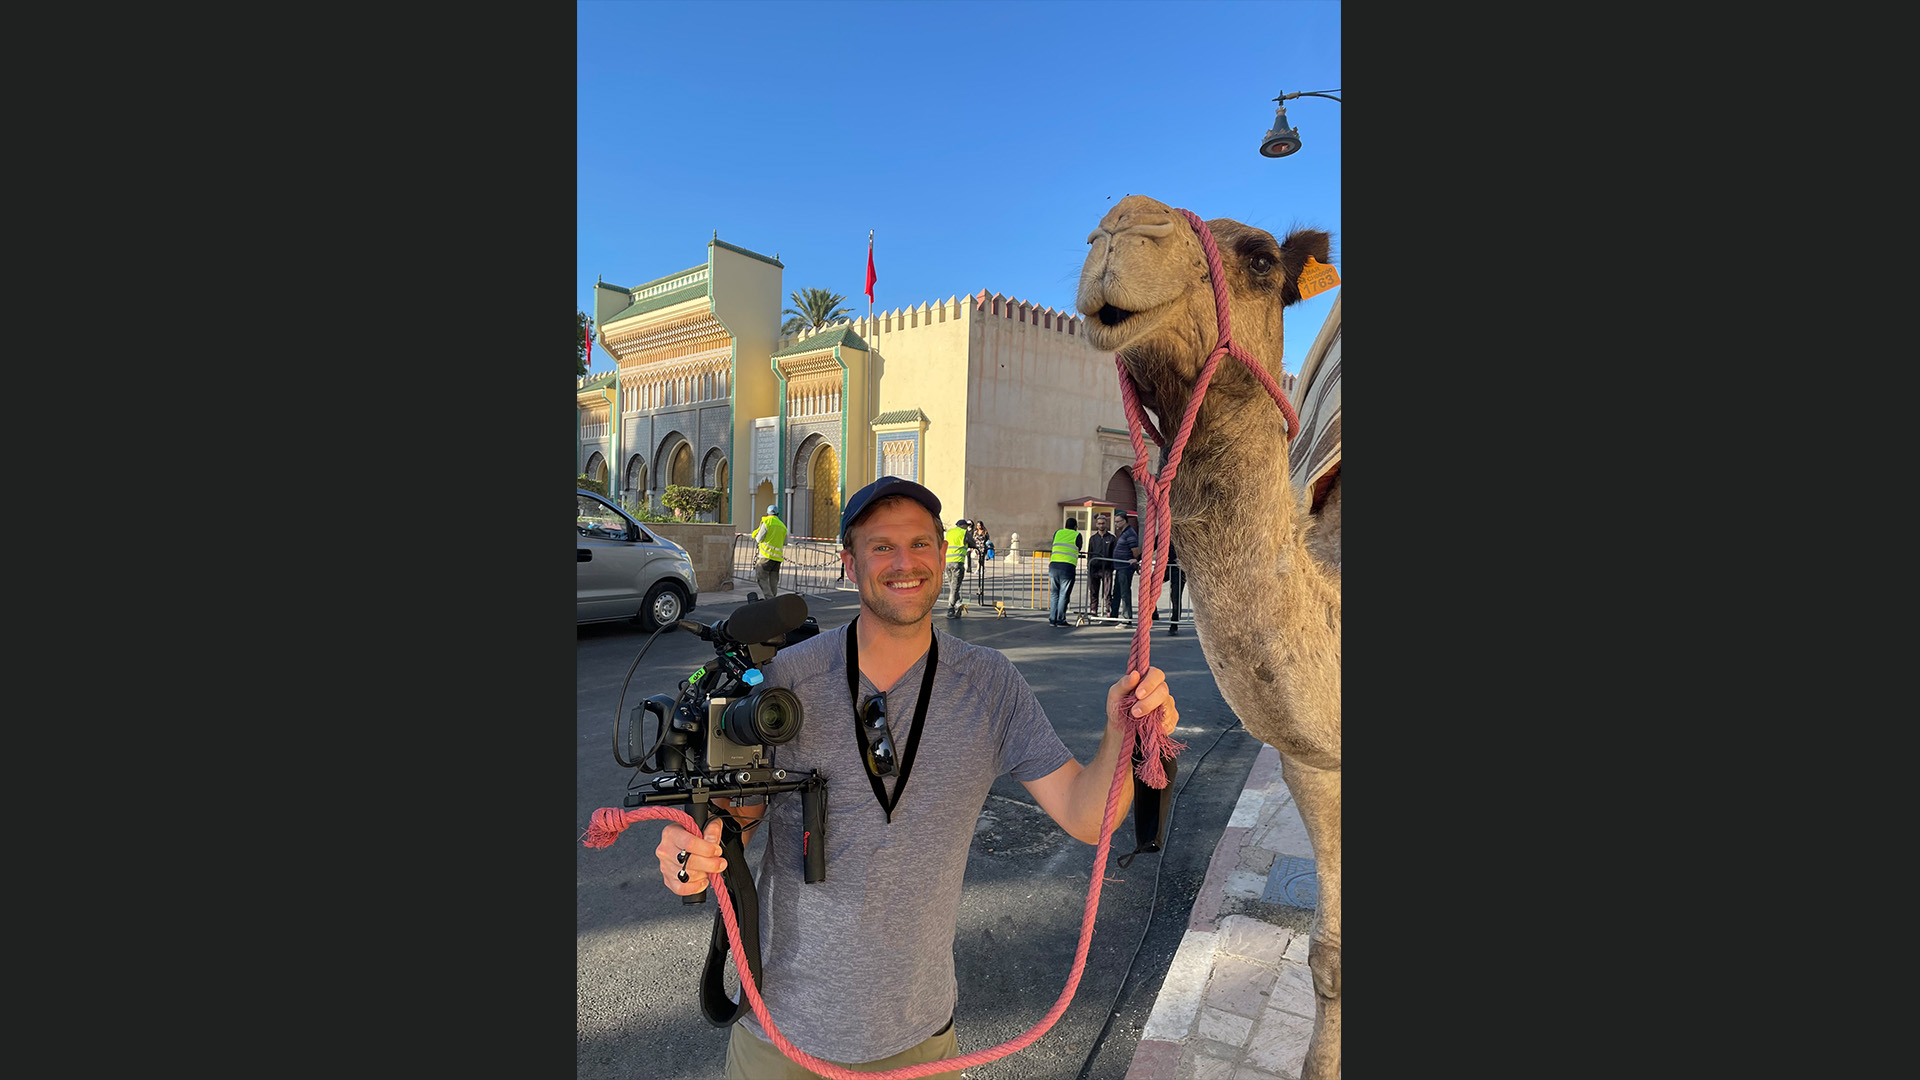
(1158,521)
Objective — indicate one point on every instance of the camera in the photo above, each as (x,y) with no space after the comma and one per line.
(716,738)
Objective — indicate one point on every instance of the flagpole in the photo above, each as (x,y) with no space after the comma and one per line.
(873,406)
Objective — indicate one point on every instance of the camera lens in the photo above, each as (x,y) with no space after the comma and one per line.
(769,715)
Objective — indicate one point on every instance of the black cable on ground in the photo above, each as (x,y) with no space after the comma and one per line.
(1152,906)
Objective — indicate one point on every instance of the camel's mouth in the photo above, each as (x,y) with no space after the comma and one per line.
(1113,316)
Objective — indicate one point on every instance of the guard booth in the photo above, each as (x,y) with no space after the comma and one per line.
(1083,510)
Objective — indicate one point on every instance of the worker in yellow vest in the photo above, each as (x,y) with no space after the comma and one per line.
(1062,568)
(772,538)
(956,569)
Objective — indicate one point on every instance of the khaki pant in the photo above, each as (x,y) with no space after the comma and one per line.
(767,576)
(750,1057)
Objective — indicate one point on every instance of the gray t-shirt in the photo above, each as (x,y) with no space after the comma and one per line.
(860,966)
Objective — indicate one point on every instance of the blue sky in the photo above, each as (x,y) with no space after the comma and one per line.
(980,142)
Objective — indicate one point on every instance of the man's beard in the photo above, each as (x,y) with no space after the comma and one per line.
(890,607)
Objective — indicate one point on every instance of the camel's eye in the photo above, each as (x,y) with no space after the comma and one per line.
(1262,264)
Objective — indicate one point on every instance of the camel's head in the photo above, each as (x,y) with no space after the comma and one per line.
(1146,291)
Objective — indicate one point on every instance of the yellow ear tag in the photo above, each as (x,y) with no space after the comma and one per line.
(1316,277)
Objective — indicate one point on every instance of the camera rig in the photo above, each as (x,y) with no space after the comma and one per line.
(715,739)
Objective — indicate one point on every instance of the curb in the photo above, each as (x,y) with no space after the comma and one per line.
(1177,1006)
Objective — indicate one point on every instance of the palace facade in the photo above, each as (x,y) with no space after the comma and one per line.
(997,405)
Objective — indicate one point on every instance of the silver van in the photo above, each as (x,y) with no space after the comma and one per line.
(628,572)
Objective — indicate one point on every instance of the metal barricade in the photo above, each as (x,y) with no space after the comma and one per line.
(810,564)
(1012,582)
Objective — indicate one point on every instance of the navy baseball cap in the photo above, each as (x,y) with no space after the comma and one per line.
(886,485)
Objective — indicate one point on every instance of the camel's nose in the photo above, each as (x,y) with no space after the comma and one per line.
(1134,211)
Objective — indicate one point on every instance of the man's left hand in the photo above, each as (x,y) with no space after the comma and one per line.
(1151,693)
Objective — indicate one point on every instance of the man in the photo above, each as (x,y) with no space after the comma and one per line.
(956,570)
(1126,560)
(1176,582)
(1061,568)
(772,538)
(1099,565)
(858,969)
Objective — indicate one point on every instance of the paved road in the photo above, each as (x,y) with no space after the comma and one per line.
(640,950)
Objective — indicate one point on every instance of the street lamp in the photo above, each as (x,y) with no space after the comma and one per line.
(1282,140)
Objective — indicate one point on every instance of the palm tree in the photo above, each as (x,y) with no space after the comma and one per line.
(812,309)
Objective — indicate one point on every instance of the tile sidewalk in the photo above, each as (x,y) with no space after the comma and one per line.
(1237,1002)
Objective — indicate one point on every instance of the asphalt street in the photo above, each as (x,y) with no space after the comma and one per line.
(641,950)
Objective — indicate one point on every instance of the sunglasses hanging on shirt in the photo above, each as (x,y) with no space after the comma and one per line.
(874,734)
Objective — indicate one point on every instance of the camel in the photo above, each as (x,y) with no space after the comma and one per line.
(1265,591)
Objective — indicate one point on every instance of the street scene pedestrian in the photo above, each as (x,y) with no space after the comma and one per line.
(980,546)
(1176,582)
(771,537)
(956,565)
(841,987)
(1062,567)
(1126,562)
(1099,564)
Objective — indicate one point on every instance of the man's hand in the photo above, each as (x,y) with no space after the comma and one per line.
(1152,693)
(702,857)
(1076,796)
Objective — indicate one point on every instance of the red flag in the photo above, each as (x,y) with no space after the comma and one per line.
(871,276)
(589,337)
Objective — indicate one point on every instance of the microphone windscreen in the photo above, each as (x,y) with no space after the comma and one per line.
(764,620)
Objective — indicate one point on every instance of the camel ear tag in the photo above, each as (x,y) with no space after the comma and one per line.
(1316,277)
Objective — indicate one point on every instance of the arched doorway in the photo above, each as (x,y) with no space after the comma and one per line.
(681,471)
(762,498)
(596,468)
(713,474)
(1120,491)
(635,487)
(725,514)
(825,481)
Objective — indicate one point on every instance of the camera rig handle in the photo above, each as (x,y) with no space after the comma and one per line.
(697,792)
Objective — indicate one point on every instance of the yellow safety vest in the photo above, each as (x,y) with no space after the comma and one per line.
(1066,548)
(956,544)
(773,536)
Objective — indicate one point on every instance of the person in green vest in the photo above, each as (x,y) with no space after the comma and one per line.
(772,538)
(1062,568)
(956,569)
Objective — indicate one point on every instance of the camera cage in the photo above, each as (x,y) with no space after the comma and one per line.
(693,755)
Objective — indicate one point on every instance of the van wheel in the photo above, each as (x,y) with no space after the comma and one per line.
(664,604)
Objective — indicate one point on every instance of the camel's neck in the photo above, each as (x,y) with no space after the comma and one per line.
(1231,489)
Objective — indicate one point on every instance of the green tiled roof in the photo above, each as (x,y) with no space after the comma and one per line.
(655,303)
(900,416)
(598,382)
(826,339)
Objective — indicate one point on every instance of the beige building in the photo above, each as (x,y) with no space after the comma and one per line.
(997,405)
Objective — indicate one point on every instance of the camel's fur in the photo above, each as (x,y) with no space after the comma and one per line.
(1266,600)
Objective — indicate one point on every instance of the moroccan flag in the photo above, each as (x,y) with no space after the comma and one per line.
(871,276)
(589,336)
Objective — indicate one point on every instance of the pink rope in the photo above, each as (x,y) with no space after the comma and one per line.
(1157,523)
(607,824)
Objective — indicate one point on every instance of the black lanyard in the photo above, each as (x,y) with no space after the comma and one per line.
(919,715)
